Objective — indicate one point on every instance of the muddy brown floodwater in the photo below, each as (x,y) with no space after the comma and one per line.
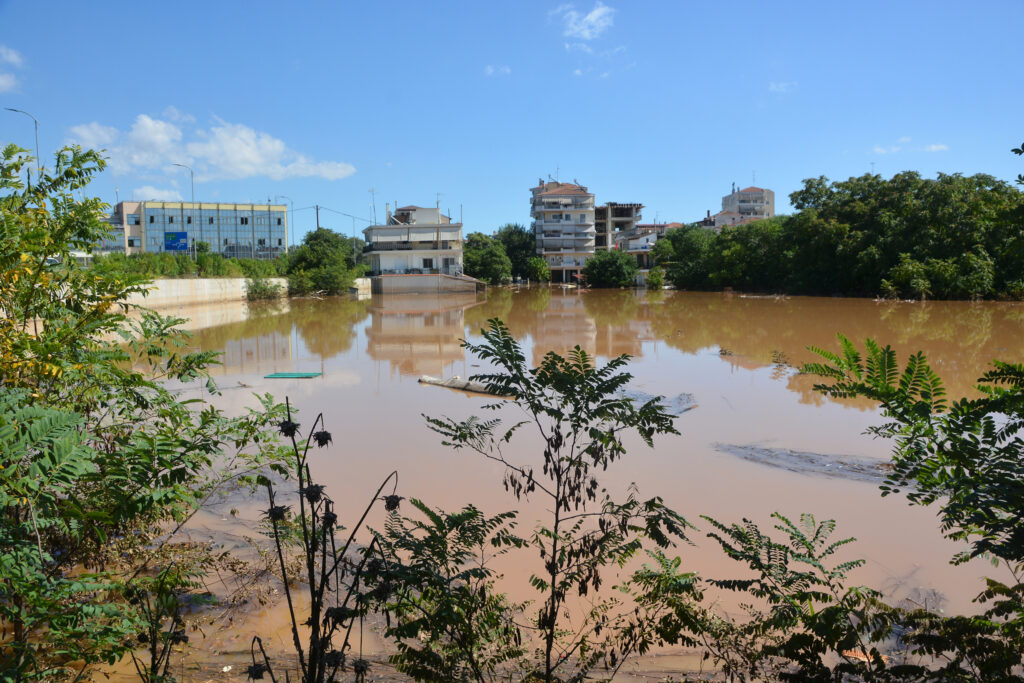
(759,440)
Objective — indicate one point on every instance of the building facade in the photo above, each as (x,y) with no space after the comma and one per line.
(563,225)
(751,203)
(415,240)
(233,230)
(615,219)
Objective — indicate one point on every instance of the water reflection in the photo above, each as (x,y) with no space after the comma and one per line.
(419,334)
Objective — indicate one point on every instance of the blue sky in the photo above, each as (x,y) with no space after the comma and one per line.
(664,103)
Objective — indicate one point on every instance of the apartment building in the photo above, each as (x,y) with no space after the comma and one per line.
(751,203)
(563,224)
(233,230)
(415,240)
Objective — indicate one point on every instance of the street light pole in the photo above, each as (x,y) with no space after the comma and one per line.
(192,182)
(39,161)
(291,218)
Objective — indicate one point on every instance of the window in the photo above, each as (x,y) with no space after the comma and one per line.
(170,219)
(279,239)
(152,219)
(188,220)
(133,218)
(279,221)
(583,218)
(131,242)
(244,220)
(261,242)
(211,220)
(428,263)
(225,241)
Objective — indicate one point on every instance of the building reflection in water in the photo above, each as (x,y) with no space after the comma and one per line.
(255,354)
(419,334)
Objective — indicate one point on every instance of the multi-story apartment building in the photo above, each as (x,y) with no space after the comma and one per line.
(232,230)
(613,219)
(415,240)
(750,203)
(563,224)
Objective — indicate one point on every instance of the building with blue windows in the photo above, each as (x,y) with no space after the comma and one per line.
(231,230)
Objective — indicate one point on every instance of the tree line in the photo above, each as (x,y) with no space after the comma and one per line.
(952,237)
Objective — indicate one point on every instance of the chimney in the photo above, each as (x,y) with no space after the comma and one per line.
(387,213)
(709,213)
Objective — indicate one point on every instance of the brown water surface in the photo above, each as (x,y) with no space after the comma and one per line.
(734,354)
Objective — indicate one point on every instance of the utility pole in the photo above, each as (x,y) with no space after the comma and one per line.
(373,203)
(317,216)
(195,222)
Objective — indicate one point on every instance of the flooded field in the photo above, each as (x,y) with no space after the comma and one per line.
(759,440)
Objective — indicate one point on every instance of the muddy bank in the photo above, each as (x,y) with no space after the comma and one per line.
(849,467)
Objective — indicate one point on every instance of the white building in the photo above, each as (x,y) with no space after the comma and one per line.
(563,225)
(415,240)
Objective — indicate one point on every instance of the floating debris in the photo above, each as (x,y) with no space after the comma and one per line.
(459,384)
(850,467)
(674,405)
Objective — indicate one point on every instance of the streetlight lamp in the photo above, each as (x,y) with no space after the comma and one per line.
(192,181)
(291,217)
(36,122)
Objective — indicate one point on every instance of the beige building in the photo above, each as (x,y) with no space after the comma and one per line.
(563,225)
(750,203)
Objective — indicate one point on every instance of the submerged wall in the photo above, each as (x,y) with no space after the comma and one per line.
(184,292)
(423,284)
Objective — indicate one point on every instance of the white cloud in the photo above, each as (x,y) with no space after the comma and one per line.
(579,47)
(585,26)
(8,82)
(156,194)
(10,56)
(904,140)
(491,70)
(936,148)
(171,113)
(577,72)
(225,150)
(782,87)
(878,149)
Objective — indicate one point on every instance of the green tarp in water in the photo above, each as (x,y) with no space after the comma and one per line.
(292,375)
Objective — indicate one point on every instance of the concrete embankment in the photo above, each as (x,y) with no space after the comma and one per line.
(184,292)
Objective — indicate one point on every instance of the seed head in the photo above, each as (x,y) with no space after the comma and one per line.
(313,492)
(360,666)
(339,614)
(277,513)
(330,519)
(256,671)
(322,438)
(288,428)
(391,502)
(334,658)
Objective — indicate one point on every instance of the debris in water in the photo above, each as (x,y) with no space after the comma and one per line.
(851,467)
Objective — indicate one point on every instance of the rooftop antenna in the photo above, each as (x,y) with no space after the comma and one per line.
(872,168)
(557,169)
(373,203)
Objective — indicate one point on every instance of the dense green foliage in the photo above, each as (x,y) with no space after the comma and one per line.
(102,463)
(261,289)
(537,270)
(954,237)
(655,278)
(611,269)
(484,258)
(446,618)
(321,264)
(520,247)
(581,418)
(149,265)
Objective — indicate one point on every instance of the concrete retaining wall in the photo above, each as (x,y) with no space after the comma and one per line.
(184,292)
(423,284)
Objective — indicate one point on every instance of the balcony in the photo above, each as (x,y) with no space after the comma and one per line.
(443,270)
(453,245)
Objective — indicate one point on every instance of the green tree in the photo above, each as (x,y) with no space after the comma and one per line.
(611,269)
(484,257)
(520,247)
(581,419)
(320,264)
(537,270)
(102,463)
(655,279)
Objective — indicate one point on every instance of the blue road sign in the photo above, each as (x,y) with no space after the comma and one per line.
(175,241)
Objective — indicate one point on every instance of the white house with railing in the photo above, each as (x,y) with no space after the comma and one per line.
(415,240)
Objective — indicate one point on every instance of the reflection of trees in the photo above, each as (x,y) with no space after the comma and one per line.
(960,337)
(328,326)
(419,334)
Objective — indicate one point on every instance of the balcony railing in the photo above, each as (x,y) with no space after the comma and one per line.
(444,270)
(411,246)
